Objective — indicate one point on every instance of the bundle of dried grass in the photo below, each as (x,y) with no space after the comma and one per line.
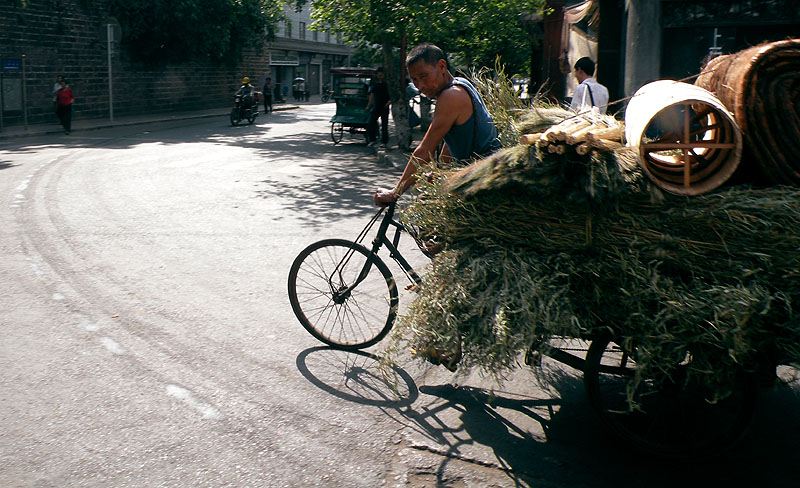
(542,245)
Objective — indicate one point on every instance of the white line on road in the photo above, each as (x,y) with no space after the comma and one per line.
(112,345)
(188,398)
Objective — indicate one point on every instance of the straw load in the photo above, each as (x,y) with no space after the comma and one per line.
(577,240)
(760,85)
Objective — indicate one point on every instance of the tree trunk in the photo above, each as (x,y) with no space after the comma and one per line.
(397,92)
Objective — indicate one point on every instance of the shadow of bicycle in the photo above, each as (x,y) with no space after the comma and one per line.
(544,432)
(358,377)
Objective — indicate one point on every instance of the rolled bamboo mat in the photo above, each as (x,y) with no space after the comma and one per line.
(688,142)
(761,86)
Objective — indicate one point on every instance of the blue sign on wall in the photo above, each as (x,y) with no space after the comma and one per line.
(12,64)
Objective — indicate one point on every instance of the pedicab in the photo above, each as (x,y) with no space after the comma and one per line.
(351,94)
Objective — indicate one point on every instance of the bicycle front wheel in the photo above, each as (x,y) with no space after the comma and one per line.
(331,305)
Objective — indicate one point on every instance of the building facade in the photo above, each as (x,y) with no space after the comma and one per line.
(299,52)
(637,41)
(36,46)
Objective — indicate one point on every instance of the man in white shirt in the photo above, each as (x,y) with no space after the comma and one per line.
(589,93)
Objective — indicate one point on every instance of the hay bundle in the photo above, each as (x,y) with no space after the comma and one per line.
(760,85)
(543,244)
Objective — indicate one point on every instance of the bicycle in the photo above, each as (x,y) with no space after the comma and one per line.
(343,293)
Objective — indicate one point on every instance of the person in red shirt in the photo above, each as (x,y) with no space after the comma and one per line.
(64,99)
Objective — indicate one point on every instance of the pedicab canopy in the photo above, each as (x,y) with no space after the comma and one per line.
(351,93)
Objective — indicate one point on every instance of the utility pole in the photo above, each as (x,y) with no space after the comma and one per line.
(24,96)
(110,46)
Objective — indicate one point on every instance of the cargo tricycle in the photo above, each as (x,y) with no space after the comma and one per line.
(345,295)
(351,94)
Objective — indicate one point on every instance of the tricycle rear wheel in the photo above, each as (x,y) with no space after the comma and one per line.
(337,132)
(673,417)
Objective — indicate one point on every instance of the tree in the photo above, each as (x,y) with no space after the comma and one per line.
(468,28)
(179,30)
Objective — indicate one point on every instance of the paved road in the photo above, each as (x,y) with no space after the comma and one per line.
(147,339)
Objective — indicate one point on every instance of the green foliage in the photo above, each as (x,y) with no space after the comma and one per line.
(467,28)
(178,30)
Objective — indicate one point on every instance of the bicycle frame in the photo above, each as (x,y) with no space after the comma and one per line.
(379,241)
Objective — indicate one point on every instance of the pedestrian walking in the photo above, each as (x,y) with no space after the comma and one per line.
(64,99)
(589,93)
(378,108)
(267,90)
(56,87)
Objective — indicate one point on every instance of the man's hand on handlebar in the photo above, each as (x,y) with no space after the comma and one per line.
(385,196)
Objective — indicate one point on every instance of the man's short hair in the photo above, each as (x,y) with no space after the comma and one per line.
(585,64)
(429,53)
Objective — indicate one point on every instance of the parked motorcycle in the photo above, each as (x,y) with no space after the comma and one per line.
(244,108)
(326,93)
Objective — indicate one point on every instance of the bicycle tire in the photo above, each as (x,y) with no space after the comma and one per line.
(675,421)
(360,319)
(235,118)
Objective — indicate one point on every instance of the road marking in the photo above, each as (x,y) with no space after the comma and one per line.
(188,398)
(58,297)
(89,325)
(112,345)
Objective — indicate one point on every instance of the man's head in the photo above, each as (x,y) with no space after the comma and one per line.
(584,68)
(427,68)
(380,73)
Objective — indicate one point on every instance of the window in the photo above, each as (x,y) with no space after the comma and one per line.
(315,35)
(287,28)
(302,30)
(328,37)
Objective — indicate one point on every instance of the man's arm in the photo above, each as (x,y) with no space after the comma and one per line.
(453,106)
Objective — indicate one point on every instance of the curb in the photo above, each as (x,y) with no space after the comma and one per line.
(108,124)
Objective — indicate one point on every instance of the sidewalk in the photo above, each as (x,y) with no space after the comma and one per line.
(79,124)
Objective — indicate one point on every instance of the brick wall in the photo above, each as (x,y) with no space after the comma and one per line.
(68,37)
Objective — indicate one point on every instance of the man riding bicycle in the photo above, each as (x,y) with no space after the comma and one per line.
(461,119)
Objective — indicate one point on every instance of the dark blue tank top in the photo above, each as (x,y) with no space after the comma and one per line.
(477,137)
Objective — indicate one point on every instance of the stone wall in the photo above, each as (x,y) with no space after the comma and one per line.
(68,37)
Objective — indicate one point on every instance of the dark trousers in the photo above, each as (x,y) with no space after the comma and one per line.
(267,103)
(372,129)
(65,116)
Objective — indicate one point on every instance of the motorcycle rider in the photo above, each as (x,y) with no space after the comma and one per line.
(246,91)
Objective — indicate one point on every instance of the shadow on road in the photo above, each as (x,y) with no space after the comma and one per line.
(575,451)
(357,376)
(7,164)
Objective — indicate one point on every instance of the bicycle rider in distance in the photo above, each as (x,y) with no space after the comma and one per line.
(461,119)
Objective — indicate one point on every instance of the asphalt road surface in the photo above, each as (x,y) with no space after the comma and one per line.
(146,338)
